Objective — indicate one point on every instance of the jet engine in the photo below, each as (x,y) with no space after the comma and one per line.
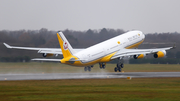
(47,55)
(160,54)
(139,56)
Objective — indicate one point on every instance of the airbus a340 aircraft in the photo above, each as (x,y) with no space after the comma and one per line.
(114,48)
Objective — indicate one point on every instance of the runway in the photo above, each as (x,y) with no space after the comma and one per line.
(56,76)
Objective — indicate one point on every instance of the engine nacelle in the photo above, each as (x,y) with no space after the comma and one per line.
(47,55)
(139,56)
(160,54)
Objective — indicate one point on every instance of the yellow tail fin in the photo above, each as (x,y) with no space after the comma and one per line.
(66,48)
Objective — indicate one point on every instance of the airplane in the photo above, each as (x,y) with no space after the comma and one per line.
(124,45)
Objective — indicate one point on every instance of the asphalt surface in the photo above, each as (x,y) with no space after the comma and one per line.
(56,76)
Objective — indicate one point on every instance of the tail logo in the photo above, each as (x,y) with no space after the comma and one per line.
(65,45)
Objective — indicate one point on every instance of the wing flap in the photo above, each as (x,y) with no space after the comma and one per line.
(51,51)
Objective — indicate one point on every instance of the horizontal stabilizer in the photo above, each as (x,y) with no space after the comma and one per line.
(41,59)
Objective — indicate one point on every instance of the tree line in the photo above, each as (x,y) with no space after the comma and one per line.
(78,39)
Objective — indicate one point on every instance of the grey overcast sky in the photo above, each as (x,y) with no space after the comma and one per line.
(148,16)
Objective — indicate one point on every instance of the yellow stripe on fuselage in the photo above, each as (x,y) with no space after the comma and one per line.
(106,58)
(134,45)
(79,63)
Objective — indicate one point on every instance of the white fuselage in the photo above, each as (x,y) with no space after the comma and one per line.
(127,40)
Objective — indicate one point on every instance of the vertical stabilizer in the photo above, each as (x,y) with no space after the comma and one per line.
(66,48)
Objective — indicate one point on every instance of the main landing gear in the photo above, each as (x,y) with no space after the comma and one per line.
(120,65)
(88,68)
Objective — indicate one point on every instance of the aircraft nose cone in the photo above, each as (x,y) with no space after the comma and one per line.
(143,36)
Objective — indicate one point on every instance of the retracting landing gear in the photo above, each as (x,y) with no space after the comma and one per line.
(119,65)
(102,65)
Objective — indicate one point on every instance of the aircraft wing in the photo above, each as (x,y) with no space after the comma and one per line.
(42,59)
(131,52)
(55,60)
(41,50)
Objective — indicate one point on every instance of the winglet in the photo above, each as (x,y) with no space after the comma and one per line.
(8,46)
(174,46)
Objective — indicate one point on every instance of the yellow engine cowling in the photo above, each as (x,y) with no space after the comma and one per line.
(47,55)
(160,54)
(139,56)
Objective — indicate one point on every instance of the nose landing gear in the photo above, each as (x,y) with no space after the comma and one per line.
(88,68)
(102,65)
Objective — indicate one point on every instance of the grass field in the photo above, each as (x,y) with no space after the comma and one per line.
(137,89)
(35,67)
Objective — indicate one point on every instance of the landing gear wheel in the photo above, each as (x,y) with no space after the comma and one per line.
(89,68)
(100,65)
(119,69)
(122,65)
(115,69)
(85,68)
(118,65)
(103,66)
